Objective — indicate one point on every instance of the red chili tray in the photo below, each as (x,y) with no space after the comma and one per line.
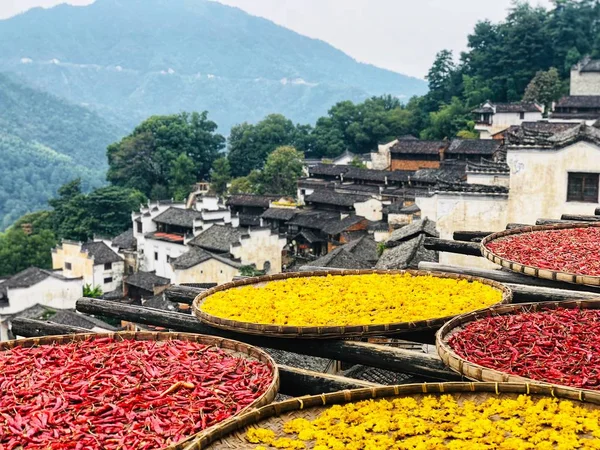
(558,247)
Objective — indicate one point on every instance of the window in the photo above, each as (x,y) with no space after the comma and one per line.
(155,256)
(68,266)
(108,280)
(582,187)
(130,270)
(107,266)
(522,115)
(139,227)
(169,259)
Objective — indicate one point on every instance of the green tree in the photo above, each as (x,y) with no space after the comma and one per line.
(545,88)
(220,176)
(71,220)
(282,170)
(144,159)
(181,177)
(250,184)
(19,250)
(249,145)
(439,77)
(90,291)
(109,210)
(448,121)
(357,162)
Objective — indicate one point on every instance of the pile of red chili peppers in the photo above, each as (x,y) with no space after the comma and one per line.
(575,250)
(559,346)
(120,394)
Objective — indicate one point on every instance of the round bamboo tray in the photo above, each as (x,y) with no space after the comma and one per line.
(477,372)
(539,272)
(235,348)
(330,332)
(231,433)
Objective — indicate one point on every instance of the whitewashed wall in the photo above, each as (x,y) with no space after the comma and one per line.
(50,292)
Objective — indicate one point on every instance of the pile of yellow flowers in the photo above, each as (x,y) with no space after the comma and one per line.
(351,300)
(440,422)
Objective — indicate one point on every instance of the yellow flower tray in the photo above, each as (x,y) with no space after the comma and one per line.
(370,303)
(438,415)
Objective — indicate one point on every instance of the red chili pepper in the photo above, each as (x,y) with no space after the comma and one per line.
(109,394)
(572,250)
(556,346)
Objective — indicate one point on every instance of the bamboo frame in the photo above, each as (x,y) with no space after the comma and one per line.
(539,272)
(331,332)
(477,372)
(229,434)
(238,349)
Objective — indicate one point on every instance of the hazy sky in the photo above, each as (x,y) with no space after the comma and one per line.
(401,35)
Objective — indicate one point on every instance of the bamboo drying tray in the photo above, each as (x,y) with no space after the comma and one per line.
(539,272)
(235,348)
(231,433)
(330,332)
(477,372)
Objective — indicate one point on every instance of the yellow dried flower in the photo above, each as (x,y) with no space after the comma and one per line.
(441,422)
(337,300)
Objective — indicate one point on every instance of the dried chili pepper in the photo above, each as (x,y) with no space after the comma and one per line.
(120,394)
(559,346)
(571,250)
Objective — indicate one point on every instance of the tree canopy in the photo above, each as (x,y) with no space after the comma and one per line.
(144,160)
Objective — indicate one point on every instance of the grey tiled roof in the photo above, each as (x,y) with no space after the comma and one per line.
(329,197)
(261,201)
(310,237)
(487,166)
(339,258)
(415,228)
(218,238)
(279,213)
(249,220)
(29,277)
(300,361)
(407,255)
(472,188)
(75,319)
(363,249)
(146,280)
(197,256)
(579,101)
(313,218)
(101,252)
(398,208)
(412,146)
(375,375)
(328,169)
(516,107)
(178,217)
(593,65)
(336,226)
(159,302)
(125,241)
(485,147)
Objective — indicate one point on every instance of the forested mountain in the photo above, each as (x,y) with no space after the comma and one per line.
(133,58)
(44,143)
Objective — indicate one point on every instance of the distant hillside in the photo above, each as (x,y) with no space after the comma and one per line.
(132,58)
(44,143)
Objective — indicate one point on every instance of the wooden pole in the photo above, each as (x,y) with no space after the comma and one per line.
(579,218)
(470,236)
(405,361)
(551,221)
(512,226)
(524,288)
(446,245)
(182,294)
(34,328)
(597,211)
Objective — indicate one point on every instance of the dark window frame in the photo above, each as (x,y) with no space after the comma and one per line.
(522,115)
(583,187)
(108,266)
(139,227)
(108,280)
(155,256)
(68,266)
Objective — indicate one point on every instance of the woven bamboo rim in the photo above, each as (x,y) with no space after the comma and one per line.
(477,372)
(230,434)
(238,349)
(539,272)
(331,332)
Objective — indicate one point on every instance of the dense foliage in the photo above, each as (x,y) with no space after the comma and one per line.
(165,153)
(45,142)
(75,215)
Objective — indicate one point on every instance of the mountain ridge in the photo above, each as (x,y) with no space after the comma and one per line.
(238,66)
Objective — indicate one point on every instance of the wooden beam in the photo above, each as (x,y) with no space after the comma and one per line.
(296,382)
(182,294)
(551,221)
(35,328)
(524,288)
(405,361)
(512,226)
(597,211)
(449,246)
(470,236)
(579,218)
